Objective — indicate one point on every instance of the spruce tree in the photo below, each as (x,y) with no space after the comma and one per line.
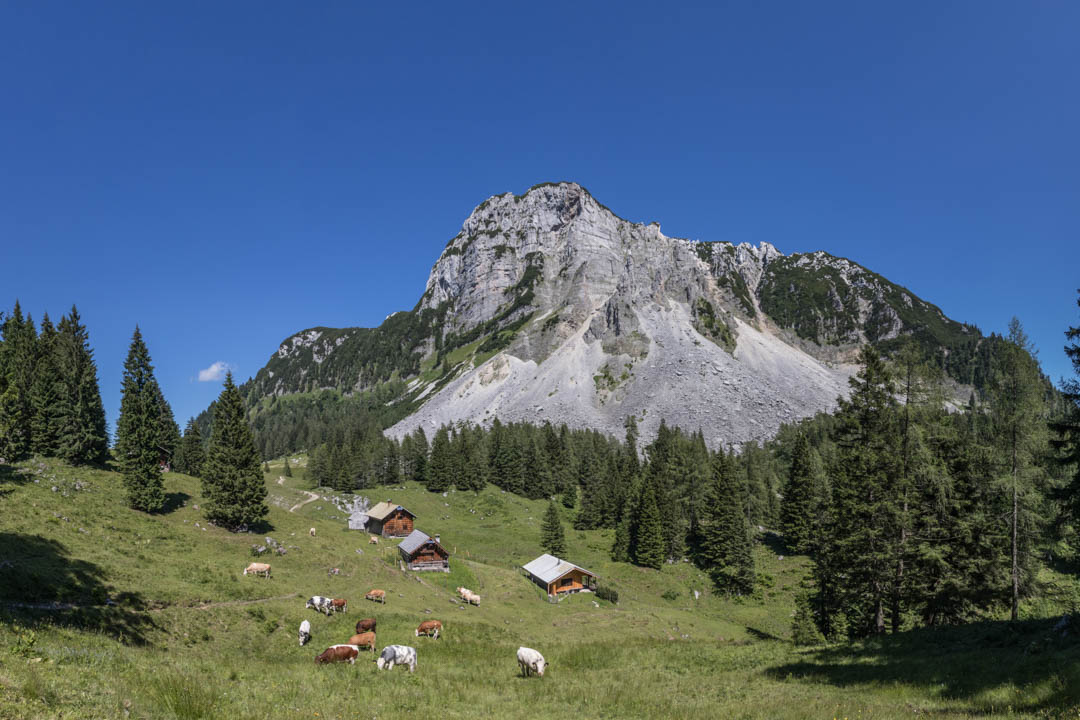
(81,433)
(552,537)
(168,431)
(649,546)
(288,468)
(1067,440)
(798,508)
(17,364)
(45,394)
(725,534)
(192,450)
(138,430)
(417,458)
(441,466)
(233,485)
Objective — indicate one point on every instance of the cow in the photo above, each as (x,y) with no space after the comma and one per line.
(468,595)
(305,633)
(376,596)
(363,641)
(321,604)
(365,625)
(311,532)
(338,653)
(530,661)
(431,628)
(258,569)
(397,655)
(340,605)
(373,540)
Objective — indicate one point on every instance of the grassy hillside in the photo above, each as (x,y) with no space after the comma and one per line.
(107,613)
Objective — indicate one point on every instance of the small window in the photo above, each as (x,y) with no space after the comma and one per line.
(566,581)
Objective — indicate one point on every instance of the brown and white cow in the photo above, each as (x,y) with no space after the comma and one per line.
(258,569)
(340,605)
(376,596)
(365,625)
(364,641)
(338,653)
(431,628)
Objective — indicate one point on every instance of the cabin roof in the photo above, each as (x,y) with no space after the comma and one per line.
(414,540)
(380,511)
(548,568)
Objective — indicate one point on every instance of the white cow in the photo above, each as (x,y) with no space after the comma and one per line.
(531,661)
(397,655)
(320,603)
(305,632)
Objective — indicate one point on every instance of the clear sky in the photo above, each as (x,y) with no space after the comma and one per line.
(225,174)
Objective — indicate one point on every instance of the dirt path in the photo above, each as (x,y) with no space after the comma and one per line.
(312,497)
(237,603)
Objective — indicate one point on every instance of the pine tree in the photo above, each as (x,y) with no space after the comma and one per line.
(552,537)
(725,534)
(138,430)
(649,546)
(81,433)
(1067,440)
(417,458)
(45,394)
(168,440)
(570,496)
(623,549)
(288,468)
(191,450)
(234,488)
(799,506)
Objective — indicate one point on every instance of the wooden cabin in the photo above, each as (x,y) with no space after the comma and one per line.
(389,520)
(420,552)
(559,576)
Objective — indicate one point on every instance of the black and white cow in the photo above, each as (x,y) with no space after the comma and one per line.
(305,633)
(322,604)
(397,655)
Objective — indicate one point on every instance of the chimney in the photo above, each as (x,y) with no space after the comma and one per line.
(437,538)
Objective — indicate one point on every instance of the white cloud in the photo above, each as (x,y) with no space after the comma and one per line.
(214,373)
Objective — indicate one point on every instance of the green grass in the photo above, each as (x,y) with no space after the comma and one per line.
(189,637)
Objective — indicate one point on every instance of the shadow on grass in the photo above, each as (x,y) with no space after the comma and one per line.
(959,664)
(174,501)
(40,584)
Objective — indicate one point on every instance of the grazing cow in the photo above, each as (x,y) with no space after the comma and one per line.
(468,595)
(258,569)
(322,604)
(311,532)
(531,661)
(376,596)
(305,633)
(364,641)
(373,540)
(365,625)
(430,628)
(397,655)
(338,653)
(340,605)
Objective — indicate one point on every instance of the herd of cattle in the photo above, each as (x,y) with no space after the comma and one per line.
(529,660)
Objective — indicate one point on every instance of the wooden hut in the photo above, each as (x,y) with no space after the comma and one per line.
(420,552)
(389,520)
(559,576)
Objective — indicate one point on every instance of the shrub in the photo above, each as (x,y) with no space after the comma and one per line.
(670,595)
(804,630)
(608,593)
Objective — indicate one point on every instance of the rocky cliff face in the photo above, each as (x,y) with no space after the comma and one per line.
(548,306)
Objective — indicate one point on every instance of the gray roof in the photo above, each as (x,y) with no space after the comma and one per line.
(548,568)
(412,541)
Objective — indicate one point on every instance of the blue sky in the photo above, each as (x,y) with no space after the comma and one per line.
(226,174)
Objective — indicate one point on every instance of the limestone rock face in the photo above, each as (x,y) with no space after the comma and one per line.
(548,306)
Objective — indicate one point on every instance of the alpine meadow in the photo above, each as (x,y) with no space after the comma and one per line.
(314,407)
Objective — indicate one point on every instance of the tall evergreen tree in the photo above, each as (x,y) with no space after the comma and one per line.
(552,537)
(168,431)
(81,434)
(1067,440)
(288,468)
(138,433)
(726,549)
(799,506)
(1018,415)
(45,393)
(649,545)
(191,450)
(233,484)
(19,358)
(442,463)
